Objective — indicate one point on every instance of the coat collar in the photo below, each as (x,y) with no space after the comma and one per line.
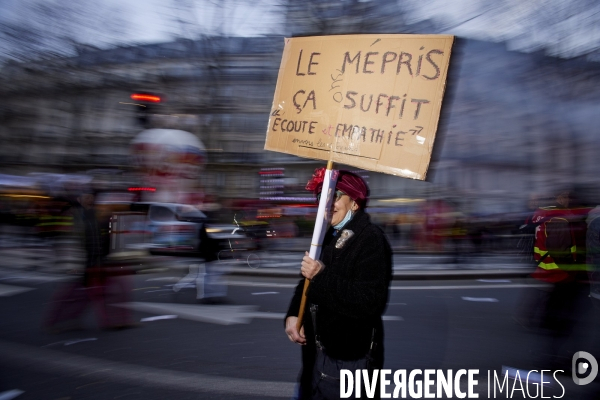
(357,224)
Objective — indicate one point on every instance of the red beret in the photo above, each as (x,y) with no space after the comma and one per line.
(348,182)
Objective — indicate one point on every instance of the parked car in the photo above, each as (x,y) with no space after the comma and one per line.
(174,229)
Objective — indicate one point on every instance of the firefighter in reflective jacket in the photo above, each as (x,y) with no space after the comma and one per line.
(560,237)
(559,251)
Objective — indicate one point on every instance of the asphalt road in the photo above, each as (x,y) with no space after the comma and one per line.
(237,349)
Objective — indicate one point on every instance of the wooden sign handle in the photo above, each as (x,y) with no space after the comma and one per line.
(307,282)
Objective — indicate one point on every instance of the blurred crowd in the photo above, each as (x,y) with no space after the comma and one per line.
(430,226)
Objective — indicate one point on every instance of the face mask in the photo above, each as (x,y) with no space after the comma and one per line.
(347,218)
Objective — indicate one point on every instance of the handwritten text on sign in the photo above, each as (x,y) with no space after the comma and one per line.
(372,101)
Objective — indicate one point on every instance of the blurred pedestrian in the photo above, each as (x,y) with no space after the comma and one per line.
(53,226)
(593,253)
(205,274)
(70,301)
(560,255)
(529,300)
(347,295)
(527,232)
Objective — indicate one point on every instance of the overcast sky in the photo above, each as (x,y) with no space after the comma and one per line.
(561,27)
(565,28)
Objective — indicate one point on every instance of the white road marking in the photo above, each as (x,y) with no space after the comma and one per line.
(231,283)
(392,318)
(259,284)
(70,342)
(261,293)
(164,279)
(158,318)
(494,284)
(214,314)
(9,290)
(480,299)
(11,394)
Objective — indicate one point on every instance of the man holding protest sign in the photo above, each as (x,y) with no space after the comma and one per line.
(347,295)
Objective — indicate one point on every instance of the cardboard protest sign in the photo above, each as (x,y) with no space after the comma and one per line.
(370,101)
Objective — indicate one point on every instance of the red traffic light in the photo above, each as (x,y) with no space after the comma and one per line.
(149,98)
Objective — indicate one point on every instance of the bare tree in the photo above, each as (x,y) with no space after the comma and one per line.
(559,28)
(35,29)
(193,19)
(328,17)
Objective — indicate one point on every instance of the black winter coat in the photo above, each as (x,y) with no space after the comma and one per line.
(351,293)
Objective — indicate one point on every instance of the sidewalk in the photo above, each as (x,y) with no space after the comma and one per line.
(413,265)
(406,267)
(281,260)
(400,274)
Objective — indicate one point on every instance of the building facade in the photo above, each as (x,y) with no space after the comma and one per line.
(512,124)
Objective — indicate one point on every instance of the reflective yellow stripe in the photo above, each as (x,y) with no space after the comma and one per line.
(548,266)
(564,267)
(542,253)
(574,267)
